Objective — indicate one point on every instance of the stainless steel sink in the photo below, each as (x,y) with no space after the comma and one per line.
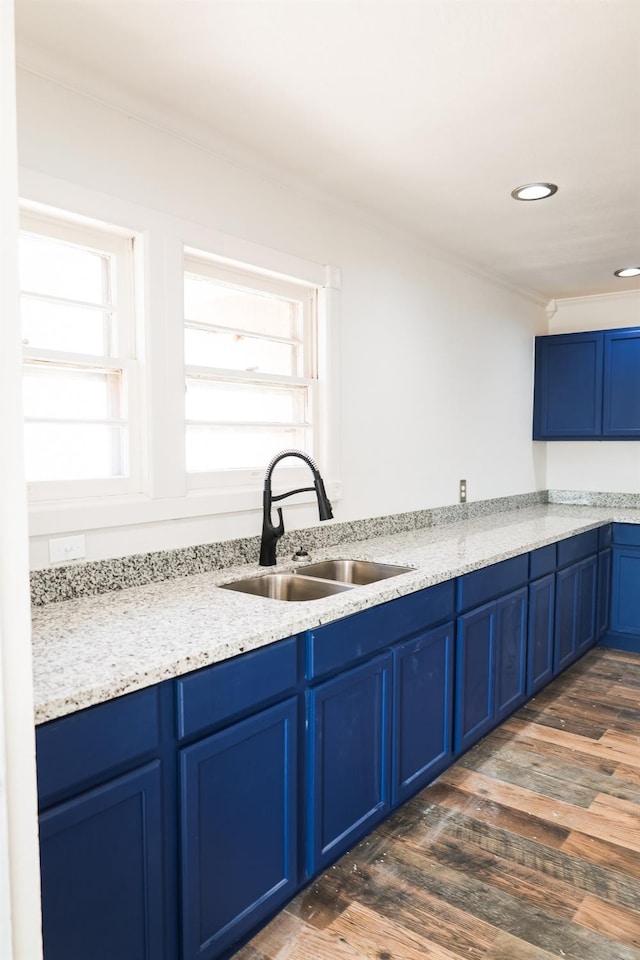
(357,572)
(286,586)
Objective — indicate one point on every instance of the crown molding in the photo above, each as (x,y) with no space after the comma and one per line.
(590,298)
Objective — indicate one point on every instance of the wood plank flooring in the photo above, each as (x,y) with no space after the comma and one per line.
(527,849)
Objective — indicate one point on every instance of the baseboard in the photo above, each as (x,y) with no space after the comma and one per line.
(621,641)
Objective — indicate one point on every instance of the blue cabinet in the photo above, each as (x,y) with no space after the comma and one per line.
(239,828)
(475,658)
(102,868)
(491,661)
(511,653)
(625,607)
(604,591)
(542,594)
(422,710)
(621,398)
(575,625)
(105,850)
(568,387)
(587,386)
(624,628)
(348,726)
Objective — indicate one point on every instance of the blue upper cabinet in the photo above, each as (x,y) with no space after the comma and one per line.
(587,386)
(568,387)
(621,398)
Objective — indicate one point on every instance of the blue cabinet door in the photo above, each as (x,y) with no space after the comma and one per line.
(586,603)
(565,627)
(474,685)
(568,387)
(102,868)
(511,653)
(542,595)
(625,590)
(621,397)
(348,759)
(238,828)
(575,611)
(604,591)
(422,710)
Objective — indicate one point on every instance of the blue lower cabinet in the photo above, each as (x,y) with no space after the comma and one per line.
(625,606)
(491,663)
(511,653)
(422,710)
(475,659)
(102,868)
(239,828)
(542,594)
(586,628)
(576,588)
(348,759)
(604,592)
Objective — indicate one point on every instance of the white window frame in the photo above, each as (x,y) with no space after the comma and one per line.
(203,265)
(160,243)
(119,246)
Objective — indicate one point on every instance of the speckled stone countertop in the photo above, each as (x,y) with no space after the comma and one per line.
(95,648)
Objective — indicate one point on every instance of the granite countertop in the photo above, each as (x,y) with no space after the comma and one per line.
(92,649)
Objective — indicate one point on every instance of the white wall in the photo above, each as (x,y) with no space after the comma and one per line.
(595,466)
(435,375)
(19,856)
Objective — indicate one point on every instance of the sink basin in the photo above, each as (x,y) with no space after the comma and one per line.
(357,572)
(286,586)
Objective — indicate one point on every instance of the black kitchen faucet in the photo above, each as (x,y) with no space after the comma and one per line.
(270,533)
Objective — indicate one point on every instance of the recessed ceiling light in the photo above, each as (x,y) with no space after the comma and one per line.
(627,272)
(534,191)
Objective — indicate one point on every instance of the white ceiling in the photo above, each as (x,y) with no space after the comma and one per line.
(426,113)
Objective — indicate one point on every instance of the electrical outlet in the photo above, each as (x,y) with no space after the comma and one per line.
(463,491)
(63,549)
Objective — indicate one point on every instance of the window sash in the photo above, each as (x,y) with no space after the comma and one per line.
(117,359)
(303,341)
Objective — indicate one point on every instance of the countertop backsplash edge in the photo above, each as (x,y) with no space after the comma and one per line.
(95,577)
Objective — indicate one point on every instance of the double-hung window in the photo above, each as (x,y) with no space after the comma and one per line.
(80,381)
(251,371)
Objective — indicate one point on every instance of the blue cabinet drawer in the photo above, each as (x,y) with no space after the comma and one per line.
(82,748)
(626,534)
(491,582)
(218,693)
(575,548)
(346,641)
(542,561)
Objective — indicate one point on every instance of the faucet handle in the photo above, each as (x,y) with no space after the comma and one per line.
(279,530)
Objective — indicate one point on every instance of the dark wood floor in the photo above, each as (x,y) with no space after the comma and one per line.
(527,849)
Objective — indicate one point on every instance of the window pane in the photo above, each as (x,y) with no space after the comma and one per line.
(73,451)
(56,326)
(208,301)
(217,400)
(63,270)
(241,447)
(233,351)
(71,393)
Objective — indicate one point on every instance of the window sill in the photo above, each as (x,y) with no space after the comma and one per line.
(47,518)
